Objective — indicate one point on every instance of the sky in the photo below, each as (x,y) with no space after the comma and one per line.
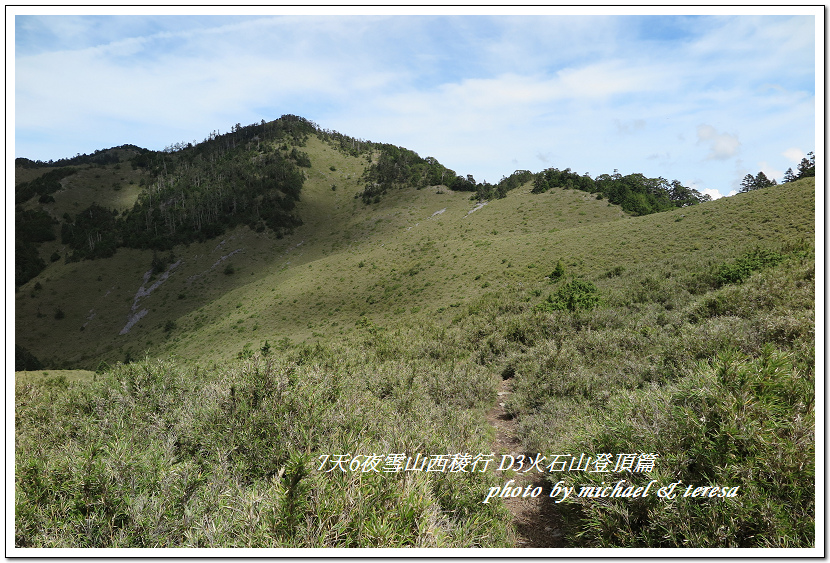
(704,98)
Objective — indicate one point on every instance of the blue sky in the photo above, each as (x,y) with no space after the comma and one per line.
(705,99)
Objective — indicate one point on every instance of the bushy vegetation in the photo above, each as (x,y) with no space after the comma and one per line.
(743,267)
(161,454)
(736,421)
(572,296)
(721,384)
(30,228)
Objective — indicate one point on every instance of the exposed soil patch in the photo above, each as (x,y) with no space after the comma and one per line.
(535,520)
(142,292)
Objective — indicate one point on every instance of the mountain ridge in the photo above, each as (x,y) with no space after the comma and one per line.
(384,255)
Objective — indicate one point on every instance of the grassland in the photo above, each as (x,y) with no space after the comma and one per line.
(52,377)
(386,329)
(410,256)
(393,262)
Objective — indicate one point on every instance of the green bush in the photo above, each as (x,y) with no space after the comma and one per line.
(615,272)
(159,454)
(746,265)
(573,296)
(558,271)
(737,422)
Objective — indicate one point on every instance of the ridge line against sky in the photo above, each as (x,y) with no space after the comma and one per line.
(705,98)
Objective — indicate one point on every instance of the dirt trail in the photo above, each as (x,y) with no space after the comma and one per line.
(535,519)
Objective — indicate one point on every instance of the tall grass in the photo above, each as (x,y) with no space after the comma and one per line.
(161,454)
(735,422)
(719,382)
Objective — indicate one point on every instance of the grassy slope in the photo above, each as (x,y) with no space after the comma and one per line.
(414,265)
(44,376)
(310,282)
(658,341)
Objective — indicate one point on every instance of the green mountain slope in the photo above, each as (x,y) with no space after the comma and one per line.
(419,249)
(415,254)
(392,329)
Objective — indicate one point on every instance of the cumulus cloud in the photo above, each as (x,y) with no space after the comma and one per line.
(793,155)
(714,194)
(721,145)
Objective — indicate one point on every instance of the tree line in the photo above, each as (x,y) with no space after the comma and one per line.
(43,186)
(635,193)
(100,157)
(31,227)
(396,167)
(253,175)
(191,192)
(806,168)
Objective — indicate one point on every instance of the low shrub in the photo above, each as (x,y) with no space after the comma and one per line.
(558,271)
(159,454)
(573,296)
(746,265)
(737,422)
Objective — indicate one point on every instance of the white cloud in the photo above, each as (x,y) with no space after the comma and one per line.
(793,155)
(721,145)
(714,194)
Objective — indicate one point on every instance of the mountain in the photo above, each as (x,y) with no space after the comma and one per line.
(282,293)
(415,251)
(86,302)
